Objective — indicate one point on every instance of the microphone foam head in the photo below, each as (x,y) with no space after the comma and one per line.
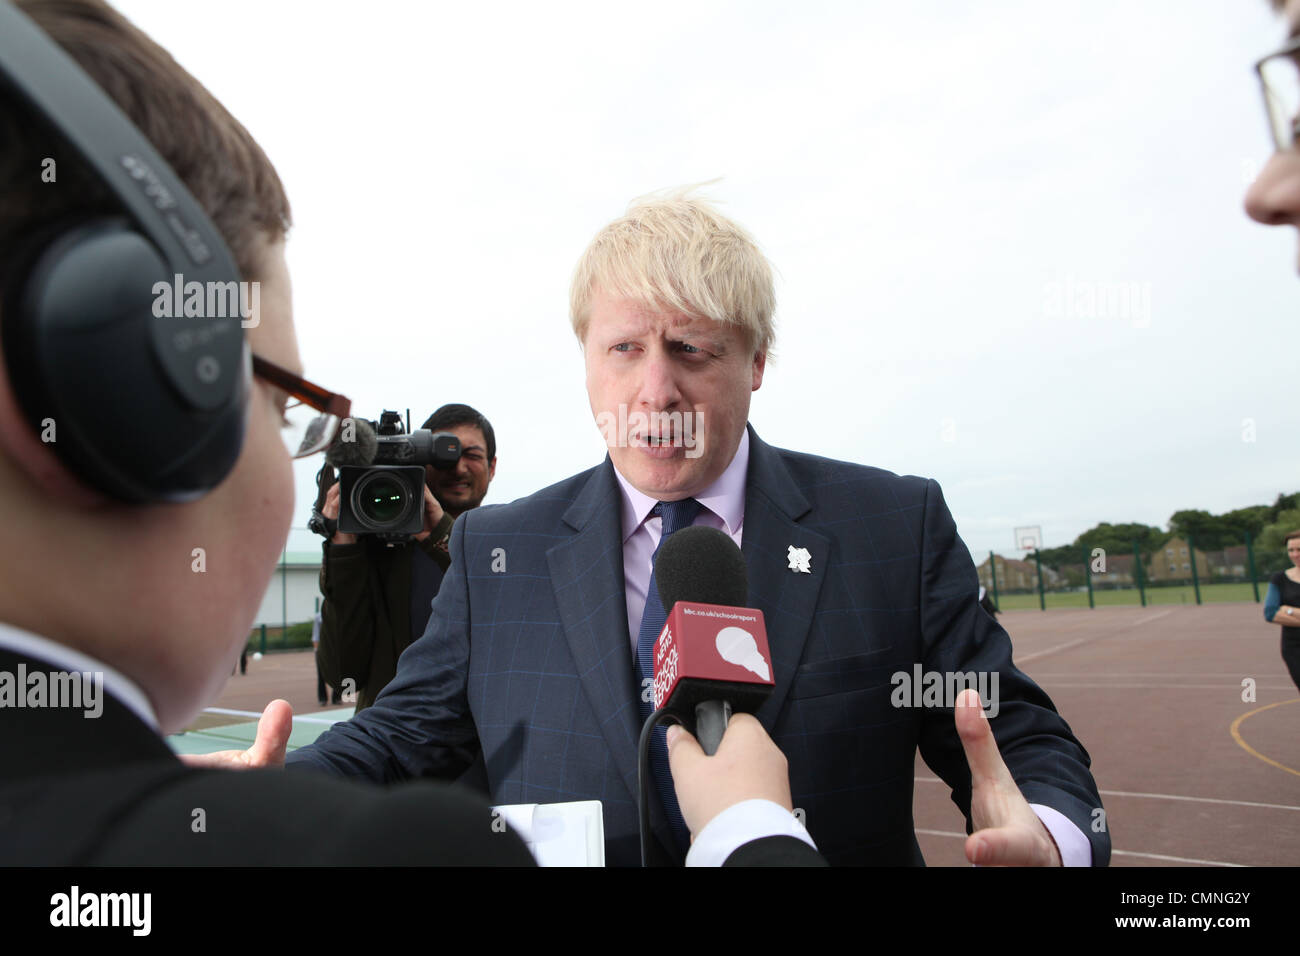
(701,565)
(359,451)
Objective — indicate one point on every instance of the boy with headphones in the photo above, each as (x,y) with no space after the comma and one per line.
(145,484)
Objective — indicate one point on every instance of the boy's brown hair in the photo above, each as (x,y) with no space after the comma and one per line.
(209,149)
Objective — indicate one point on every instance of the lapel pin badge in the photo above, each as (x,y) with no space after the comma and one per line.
(800,560)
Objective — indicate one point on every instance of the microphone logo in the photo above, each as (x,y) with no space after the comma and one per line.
(737,646)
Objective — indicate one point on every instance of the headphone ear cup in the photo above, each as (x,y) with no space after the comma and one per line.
(84,348)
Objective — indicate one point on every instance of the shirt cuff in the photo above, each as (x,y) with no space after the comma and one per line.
(1073,845)
(743,823)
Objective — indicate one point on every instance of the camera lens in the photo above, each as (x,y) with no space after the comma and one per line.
(380,500)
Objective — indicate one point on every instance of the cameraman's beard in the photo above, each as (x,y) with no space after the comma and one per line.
(455,508)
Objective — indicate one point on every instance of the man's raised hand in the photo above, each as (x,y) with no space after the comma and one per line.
(273,729)
(1007,832)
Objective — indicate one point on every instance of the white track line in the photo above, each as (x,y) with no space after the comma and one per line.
(1020,659)
(1149,618)
(253,713)
(1163,796)
(1170,796)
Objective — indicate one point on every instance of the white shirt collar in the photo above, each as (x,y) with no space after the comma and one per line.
(127,692)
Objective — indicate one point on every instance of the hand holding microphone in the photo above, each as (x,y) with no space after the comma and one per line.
(747,766)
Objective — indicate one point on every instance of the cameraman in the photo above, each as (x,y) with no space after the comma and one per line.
(378,594)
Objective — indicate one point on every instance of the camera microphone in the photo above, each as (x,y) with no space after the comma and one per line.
(356,444)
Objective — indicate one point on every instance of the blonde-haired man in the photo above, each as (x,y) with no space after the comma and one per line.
(541,662)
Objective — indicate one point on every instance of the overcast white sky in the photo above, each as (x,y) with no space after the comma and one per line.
(942,189)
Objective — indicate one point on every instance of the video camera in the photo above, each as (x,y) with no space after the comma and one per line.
(386,497)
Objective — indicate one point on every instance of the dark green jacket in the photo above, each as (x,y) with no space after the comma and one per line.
(366,616)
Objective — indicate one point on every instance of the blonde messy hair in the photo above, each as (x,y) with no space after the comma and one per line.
(676,251)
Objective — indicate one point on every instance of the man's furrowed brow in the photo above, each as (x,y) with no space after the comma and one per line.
(696,334)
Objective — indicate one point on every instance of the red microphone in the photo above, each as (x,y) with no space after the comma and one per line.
(712,657)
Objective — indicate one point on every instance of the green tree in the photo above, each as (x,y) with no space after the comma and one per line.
(1208,532)
(1112,538)
(1284,503)
(1270,551)
(1119,538)
(1055,557)
(1252,519)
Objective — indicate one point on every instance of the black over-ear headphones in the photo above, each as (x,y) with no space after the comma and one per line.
(145,407)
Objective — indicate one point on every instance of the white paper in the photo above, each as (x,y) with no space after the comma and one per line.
(559,834)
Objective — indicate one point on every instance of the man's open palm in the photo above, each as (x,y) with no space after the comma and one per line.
(1007,831)
(273,729)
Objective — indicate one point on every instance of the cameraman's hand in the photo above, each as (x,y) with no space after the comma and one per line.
(432,515)
(331,510)
(273,731)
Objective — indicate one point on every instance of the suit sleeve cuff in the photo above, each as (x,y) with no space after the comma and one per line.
(742,823)
(1073,845)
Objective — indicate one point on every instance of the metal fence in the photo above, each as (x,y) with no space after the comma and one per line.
(1177,571)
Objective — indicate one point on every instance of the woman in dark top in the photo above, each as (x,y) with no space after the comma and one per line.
(1282,606)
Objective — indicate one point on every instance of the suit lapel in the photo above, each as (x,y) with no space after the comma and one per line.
(587,576)
(786,596)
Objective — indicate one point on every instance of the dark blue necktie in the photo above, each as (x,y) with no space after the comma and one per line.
(674,515)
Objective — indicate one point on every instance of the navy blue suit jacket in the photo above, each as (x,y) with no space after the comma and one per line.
(528,656)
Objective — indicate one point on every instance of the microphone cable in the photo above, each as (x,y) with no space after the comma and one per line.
(643,777)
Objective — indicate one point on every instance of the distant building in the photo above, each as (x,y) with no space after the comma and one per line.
(293,592)
(1172,562)
(1231,563)
(1118,573)
(1015,575)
